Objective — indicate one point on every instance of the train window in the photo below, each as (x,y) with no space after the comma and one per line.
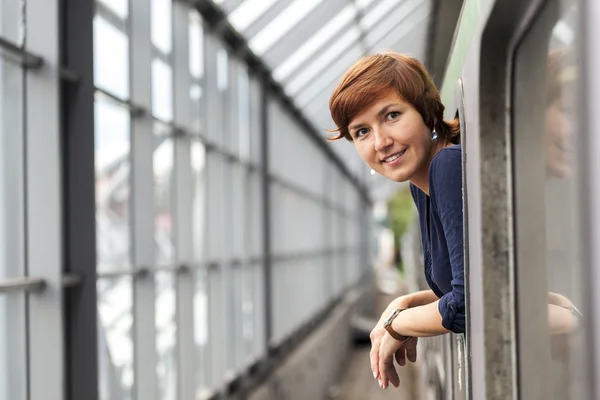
(550,275)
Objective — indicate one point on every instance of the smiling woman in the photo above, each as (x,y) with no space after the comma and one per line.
(388,106)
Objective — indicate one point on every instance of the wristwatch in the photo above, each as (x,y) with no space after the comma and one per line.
(388,327)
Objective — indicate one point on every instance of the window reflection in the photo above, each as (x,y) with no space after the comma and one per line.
(565,272)
(112,146)
(115,343)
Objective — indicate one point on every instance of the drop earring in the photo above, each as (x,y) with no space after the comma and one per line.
(434,135)
(372,172)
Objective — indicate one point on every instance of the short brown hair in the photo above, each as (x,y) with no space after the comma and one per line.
(373,75)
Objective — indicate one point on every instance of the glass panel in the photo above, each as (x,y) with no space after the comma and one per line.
(115,343)
(119,7)
(201,332)
(12,23)
(238,319)
(244,113)
(166,336)
(248,12)
(222,70)
(161,25)
(196,108)
(196,45)
(248,317)
(111,58)
(322,36)
(163,158)
(112,146)
(196,48)
(162,90)
(282,24)
(198,161)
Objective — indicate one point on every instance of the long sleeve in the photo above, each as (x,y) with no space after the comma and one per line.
(445,183)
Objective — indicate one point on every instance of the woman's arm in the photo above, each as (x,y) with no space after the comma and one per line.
(420,321)
(419,298)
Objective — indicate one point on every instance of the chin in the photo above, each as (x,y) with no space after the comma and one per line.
(398,176)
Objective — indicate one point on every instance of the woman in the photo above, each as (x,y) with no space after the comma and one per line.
(389,107)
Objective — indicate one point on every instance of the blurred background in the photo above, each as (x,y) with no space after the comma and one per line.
(173,223)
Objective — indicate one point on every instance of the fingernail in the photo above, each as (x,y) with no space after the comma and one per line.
(380,384)
(374,375)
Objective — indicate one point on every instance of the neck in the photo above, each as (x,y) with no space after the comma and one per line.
(421,178)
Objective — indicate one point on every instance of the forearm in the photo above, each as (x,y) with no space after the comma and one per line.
(420,321)
(421,298)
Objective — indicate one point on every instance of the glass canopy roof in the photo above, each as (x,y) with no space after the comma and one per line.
(308,44)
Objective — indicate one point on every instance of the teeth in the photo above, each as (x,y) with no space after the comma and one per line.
(393,158)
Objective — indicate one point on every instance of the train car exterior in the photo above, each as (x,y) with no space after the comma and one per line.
(522,76)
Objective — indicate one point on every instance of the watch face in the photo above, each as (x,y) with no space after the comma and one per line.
(389,320)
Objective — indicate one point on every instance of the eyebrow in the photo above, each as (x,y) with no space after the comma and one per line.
(380,113)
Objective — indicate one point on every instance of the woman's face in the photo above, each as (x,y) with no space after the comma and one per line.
(559,141)
(391,137)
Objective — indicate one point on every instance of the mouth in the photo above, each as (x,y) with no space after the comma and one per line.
(394,159)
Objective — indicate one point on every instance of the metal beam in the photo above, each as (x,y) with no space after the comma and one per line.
(266,214)
(441,36)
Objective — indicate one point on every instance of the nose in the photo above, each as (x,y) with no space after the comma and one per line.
(382,139)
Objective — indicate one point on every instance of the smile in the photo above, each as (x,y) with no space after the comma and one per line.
(394,158)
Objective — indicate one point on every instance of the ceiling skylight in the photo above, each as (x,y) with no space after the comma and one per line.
(281,25)
(248,12)
(323,60)
(318,39)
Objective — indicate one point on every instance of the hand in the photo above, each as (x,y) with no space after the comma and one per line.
(379,337)
(382,358)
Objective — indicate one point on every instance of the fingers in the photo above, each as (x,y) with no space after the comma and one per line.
(400,358)
(374,354)
(384,367)
(411,354)
(393,374)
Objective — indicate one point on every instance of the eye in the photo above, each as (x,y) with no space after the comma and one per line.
(392,115)
(361,132)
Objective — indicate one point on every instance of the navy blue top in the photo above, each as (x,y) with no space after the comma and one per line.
(441,220)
